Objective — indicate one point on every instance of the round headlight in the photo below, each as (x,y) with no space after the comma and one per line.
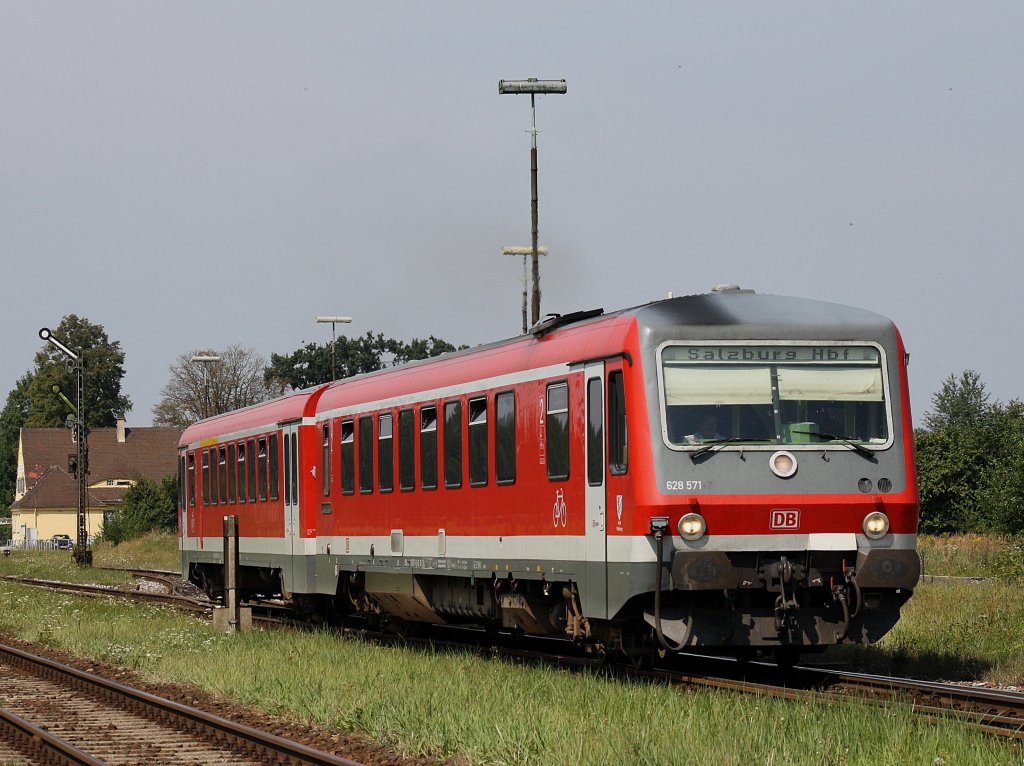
(783,464)
(876,524)
(692,526)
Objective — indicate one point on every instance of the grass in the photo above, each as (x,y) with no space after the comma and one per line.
(968,555)
(489,711)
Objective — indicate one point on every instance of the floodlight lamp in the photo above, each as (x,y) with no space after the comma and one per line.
(333,319)
(532,85)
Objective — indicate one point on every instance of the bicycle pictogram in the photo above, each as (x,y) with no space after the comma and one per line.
(559,514)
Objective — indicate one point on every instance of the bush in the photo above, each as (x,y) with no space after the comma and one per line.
(146,507)
(1009,564)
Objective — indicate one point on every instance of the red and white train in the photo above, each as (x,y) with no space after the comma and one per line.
(728,471)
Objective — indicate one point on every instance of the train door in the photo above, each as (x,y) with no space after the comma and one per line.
(290,487)
(595,597)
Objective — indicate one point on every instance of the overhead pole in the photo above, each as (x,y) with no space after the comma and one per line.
(525,252)
(333,320)
(533,86)
(81,553)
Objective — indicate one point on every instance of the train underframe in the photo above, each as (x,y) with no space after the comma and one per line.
(708,601)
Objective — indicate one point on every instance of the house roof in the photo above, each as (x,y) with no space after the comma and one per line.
(145,453)
(54,489)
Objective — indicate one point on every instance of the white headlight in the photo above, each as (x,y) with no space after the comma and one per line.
(876,524)
(692,526)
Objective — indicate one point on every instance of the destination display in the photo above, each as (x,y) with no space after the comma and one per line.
(763,354)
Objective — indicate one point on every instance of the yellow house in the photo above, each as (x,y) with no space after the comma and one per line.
(46,493)
(50,508)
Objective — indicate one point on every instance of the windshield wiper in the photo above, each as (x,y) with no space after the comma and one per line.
(711,444)
(844,440)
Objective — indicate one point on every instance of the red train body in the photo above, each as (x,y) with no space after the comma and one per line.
(558,483)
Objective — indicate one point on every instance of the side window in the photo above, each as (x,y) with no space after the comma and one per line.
(505,437)
(232,472)
(191,479)
(618,446)
(206,477)
(557,431)
(366,454)
(595,433)
(478,442)
(261,469)
(326,462)
(274,468)
(406,450)
(428,447)
(222,471)
(453,444)
(348,457)
(250,452)
(385,453)
(240,451)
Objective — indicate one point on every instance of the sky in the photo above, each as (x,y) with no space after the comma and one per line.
(192,175)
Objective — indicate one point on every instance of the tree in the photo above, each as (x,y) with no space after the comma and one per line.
(12,418)
(104,370)
(146,507)
(970,460)
(962,400)
(312,364)
(202,389)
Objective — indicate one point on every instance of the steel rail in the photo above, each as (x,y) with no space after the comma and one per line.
(40,745)
(92,589)
(990,710)
(217,728)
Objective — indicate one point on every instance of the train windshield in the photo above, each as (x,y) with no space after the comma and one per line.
(786,394)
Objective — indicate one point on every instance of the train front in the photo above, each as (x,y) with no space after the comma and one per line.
(786,499)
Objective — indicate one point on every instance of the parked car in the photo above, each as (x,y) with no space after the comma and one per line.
(62,542)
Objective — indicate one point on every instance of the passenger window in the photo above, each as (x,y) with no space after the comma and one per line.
(223,475)
(595,433)
(261,469)
(241,472)
(326,462)
(406,451)
(453,444)
(478,442)
(428,447)
(191,479)
(385,453)
(348,457)
(557,427)
(206,477)
(231,469)
(274,468)
(366,454)
(251,453)
(618,451)
(505,437)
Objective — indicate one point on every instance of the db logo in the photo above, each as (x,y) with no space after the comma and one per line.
(785,518)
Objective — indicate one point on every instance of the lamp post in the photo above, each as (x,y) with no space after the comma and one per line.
(533,86)
(206,410)
(76,421)
(525,252)
(334,320)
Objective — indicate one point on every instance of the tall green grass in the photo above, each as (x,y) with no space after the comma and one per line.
(484,711)
(453,705)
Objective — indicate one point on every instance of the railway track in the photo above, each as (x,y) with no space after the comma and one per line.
(53,713)
(991,710)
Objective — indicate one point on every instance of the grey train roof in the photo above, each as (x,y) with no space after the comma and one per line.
(737,315)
